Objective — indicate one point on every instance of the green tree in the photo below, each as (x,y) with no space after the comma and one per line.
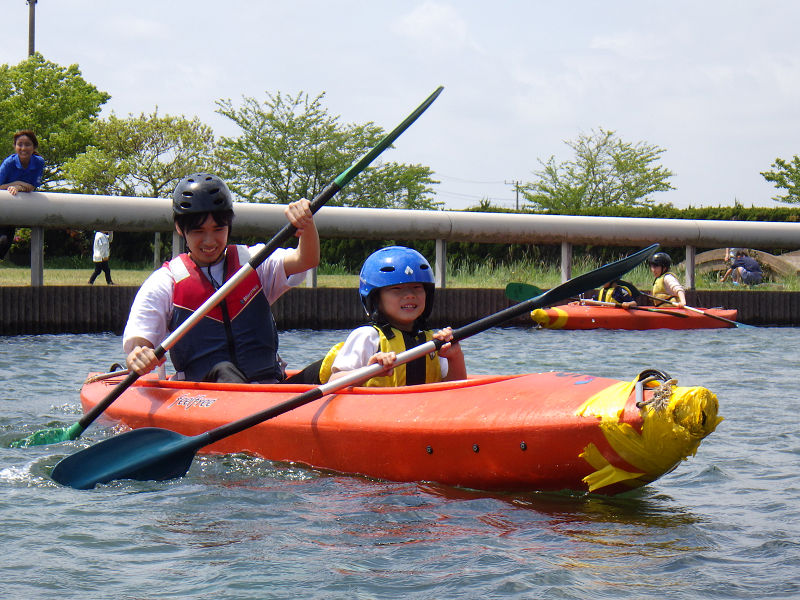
(53,101)
(142,156)
(785,176)
(291,147)
(604,172)
(391,185)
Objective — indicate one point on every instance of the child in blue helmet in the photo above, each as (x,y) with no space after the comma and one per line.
(396,289)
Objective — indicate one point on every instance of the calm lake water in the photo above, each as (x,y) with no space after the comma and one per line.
(725,524)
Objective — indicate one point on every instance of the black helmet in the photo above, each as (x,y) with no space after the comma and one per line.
(199,193)
(660,259)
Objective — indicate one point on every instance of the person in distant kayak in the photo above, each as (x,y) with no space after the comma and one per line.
(396,287)
(237,341)
(619,292)
(20,172)
(744,269)
(666,286)
(101,251)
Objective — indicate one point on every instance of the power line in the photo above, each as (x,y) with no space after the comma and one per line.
(465,180)
(471,196)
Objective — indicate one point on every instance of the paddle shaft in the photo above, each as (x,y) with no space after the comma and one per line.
(280,238)
(698,311)
(615,305)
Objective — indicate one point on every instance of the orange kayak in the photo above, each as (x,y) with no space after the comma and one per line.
(548,431)
(579,316)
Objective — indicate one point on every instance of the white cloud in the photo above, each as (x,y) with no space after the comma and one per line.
(136,28)
(434,26)
(716,82)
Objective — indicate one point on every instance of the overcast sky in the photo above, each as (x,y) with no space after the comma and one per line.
(714,82)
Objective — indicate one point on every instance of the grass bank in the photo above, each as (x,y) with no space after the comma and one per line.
(484,275)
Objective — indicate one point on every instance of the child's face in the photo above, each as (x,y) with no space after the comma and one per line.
(207,242)
(402,304)
(656,270)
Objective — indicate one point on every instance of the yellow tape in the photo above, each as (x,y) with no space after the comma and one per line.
(668,436)
(606,473)
(542,317)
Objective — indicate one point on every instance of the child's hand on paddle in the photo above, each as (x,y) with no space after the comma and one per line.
(448,350)
(385,359)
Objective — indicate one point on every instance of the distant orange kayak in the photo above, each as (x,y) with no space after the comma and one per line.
(547,431)
(578,316)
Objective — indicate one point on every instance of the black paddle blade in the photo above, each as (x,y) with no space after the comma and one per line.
(147,454)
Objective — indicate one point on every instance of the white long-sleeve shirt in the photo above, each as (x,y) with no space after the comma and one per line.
(102,246)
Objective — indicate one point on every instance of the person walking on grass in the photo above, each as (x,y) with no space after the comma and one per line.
(100,254)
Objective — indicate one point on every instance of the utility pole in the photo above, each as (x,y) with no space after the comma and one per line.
(516,188)
(31,25)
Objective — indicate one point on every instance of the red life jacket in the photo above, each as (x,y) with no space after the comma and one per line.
(240,329)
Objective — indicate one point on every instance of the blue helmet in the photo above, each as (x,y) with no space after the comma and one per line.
(394,265)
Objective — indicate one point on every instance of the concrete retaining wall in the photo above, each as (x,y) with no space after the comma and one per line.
(83,309)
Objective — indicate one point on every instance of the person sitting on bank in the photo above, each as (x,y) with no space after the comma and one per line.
(744,269)
(620,292)
(397,291)
(666,287)
(237,341)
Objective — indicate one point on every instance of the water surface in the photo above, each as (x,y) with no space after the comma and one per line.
(723,525)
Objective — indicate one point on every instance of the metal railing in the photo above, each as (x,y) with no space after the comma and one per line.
(41,210)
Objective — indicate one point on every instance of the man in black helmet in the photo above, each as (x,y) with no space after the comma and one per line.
(237,341)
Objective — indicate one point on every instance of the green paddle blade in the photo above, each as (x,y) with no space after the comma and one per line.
(149,453)
(519,292)
(49,436)
(344,177)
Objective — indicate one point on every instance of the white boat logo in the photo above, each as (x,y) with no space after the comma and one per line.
(187,401)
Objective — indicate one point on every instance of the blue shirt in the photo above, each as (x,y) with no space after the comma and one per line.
(749,264)
(11,170)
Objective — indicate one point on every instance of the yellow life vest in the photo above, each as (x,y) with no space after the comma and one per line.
(605,294)
(659,291)
(405,374)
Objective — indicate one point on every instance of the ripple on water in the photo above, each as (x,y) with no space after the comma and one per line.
(724,524)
